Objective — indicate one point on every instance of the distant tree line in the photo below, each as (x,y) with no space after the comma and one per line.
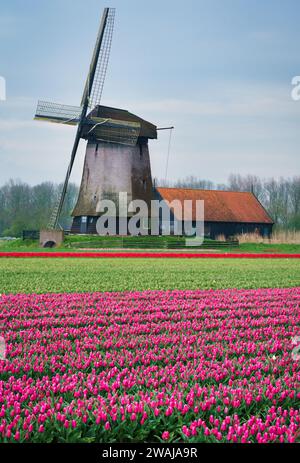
(25,207)
(280,197)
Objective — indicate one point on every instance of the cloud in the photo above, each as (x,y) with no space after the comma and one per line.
(36,155)
(245,105)
(20,103)
(17,124)
(14,124)
(8,25)
(237,101)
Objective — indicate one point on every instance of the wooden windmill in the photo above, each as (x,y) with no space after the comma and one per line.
(117,155)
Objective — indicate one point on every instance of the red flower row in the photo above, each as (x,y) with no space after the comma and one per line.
(181,255)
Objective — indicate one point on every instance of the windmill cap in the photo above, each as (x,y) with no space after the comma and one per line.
(148,130)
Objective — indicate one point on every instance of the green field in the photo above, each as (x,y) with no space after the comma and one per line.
(71,275)
(154,244)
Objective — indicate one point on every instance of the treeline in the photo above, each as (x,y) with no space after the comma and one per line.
(25,207)
(280,197)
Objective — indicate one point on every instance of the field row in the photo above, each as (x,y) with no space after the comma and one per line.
(148,255)
(194,366)
(81,275)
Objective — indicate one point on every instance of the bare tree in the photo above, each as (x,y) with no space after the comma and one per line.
(23,207)
(294,192)
(194,182)
(237,182)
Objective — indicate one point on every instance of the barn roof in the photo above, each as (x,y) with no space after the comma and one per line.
(148,130)
(221,206)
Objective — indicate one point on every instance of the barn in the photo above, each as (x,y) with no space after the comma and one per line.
(227,213)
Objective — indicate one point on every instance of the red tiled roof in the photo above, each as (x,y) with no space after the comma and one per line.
(221,206)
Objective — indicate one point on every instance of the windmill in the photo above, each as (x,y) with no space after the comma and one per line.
(117,157)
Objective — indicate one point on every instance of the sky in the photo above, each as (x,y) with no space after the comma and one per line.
(220,71)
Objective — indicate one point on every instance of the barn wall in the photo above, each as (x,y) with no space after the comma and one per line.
(213,229)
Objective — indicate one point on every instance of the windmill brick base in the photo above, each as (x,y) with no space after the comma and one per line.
(51,238)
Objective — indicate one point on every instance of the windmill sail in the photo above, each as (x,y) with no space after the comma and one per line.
(96,77)
(59,113)
(91,95)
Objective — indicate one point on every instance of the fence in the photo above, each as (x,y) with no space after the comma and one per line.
(148,243)
(31,235)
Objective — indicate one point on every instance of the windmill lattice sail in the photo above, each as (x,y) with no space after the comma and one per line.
(95,94)
(59,113)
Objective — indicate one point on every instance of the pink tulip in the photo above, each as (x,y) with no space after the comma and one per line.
(165,435)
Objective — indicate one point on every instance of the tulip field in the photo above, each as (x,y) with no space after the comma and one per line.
(151,366)
(149,350)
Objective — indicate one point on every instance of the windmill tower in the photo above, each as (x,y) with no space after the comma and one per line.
(117,160)
(117,156)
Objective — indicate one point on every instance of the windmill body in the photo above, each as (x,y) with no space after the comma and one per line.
(121,164)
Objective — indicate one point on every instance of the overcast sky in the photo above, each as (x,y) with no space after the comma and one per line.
(220,71)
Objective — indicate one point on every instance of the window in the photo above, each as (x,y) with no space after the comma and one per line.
(141,150)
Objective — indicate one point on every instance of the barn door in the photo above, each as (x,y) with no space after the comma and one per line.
(83,224)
